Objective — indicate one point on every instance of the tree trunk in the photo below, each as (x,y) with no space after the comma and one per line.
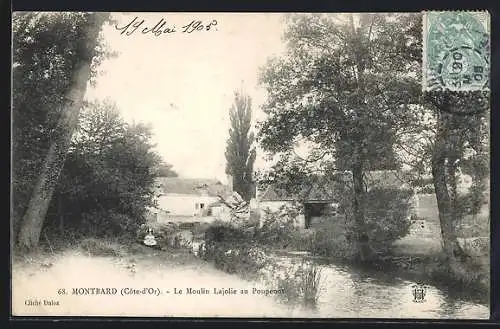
(32,223)
(444,201)
(456,214)
(60,212)
(358,210)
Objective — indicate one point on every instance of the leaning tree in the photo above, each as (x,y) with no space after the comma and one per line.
(54,57)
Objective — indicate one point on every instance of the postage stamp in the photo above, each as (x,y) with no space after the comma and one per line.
(456,51)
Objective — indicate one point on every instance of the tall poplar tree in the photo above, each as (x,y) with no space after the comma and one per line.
(240,151)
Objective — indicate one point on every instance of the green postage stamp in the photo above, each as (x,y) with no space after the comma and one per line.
(456,51)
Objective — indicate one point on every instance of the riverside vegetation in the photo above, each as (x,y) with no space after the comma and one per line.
(250,250)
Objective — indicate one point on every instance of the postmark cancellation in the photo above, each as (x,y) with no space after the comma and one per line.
(456,51)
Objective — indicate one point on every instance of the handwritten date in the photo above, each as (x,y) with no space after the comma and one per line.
(161,27)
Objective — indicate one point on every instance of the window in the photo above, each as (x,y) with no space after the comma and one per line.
(202,205)
(196,206)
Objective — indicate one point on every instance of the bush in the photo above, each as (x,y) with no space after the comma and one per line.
(427,189)
(387,216)
(336,240)
(244,260)
(279,229)
(233,249)
(471,273)
(106,224)
(386,220)
(220,232)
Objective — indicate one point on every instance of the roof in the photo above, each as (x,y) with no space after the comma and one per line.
(310,192)
(386,178)
(192,186)
(322,190)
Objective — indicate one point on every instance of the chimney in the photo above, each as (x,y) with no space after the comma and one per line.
(230,183)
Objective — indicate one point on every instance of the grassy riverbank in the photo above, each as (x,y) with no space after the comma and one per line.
(93,263)
(244,252)
(472,275)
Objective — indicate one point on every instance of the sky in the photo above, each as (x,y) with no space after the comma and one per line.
(183,83)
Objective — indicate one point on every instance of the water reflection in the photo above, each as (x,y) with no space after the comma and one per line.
(353,292)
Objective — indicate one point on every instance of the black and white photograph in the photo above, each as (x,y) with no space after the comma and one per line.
(251,165)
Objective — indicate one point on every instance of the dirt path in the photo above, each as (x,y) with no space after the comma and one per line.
(35,287)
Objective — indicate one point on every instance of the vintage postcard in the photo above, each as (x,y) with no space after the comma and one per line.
(263,165)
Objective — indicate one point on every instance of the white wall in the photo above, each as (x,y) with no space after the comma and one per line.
(183,204)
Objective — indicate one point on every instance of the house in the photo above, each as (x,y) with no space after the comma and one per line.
(187,198)
(315,201)
(318,198)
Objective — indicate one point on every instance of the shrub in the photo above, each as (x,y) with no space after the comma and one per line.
(108,224)
(233,249)
(387,213)
(225,232)
(335,240)
(427,189)
(386,220)
(279,229)
(244,260)
(471,272)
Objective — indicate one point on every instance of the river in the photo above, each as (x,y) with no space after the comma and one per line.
(347,292)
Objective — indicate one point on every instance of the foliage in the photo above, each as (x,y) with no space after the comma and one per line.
(165,170)
(240,152)
(388,217)
(336,240)
(427,189)
(279,228)
(330,87)
(347,88)
(105,223)
(299,282)
(223,232)
(233,250)
(46,49)
(106,182)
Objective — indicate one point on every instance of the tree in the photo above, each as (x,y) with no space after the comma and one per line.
(165,170)
(106,183)
(348,85)
(461,127)
(56,54)
(240,152)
